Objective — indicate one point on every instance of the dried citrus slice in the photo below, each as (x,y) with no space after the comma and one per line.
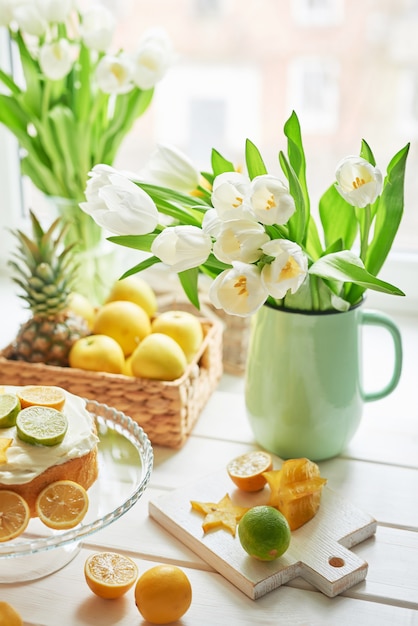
(62,504)
(14,515)
(9,409)
(110,575)
(40,425)
(42,395)
(246,471)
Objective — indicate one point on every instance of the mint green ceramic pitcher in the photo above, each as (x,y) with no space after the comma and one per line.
(304,390)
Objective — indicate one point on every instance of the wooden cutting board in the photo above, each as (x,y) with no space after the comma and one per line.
(319,551)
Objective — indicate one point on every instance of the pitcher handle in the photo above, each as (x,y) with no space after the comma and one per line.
(376,318)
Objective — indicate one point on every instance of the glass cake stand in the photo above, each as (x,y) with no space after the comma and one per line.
(125,458)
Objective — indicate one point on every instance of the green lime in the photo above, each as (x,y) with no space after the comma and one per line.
(40,425)
(9,408)
(264,533)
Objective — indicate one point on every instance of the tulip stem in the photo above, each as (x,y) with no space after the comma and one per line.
(364,241)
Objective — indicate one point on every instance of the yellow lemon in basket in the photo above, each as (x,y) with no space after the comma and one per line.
(183,327)
(135,289)
(80,305)
(97,353)
(124,321)
(158,357)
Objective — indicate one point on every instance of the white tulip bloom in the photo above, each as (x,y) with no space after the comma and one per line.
(358,181)
(240,240)
(97,28)
(211,223)
(239,290)
(117,204)
(55,59)
(271,201)
(152,59)
(230,196)
(169,167)
(29,19)
(182,247)
(288,269)
(114,74)
(6,12)
(55,10)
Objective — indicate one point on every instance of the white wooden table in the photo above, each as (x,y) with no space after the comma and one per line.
(378,473)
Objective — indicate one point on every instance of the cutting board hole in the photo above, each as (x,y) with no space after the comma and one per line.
(336,561)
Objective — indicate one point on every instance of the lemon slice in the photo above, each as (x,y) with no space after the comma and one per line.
(62,504)
(42,395)
(41,426)
(109,574)
(9,409)
(14,515)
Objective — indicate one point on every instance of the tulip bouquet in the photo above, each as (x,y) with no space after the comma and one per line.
(78,100)
(252,233)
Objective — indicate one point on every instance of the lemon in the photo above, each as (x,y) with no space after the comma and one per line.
(9,616)
(247,470)
(62,504)
(183,327)
(14,515)
(109,574)
(124,321)
(97,353)
(41,425)
(264,533)
(163,594)
(9,409)
(158,357)
(134,289)
(80,305)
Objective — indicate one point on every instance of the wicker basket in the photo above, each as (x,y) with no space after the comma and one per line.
(167,411)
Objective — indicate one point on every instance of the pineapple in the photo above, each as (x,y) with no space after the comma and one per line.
(44,269)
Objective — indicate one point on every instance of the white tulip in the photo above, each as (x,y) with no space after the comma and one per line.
(117,204)
(240,240)
(6,12)
(29,19)
(239,290)
(97,28)
(358,181)
(55,59)
(169,167)
(182,247)
(271,201)
(114,74)
(230,196)
(55,10)
(211,223)
(287,270)
(152,59)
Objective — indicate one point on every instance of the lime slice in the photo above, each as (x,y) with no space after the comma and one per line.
(40,425)
(9,409)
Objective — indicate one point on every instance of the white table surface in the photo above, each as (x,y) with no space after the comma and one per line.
(378,473)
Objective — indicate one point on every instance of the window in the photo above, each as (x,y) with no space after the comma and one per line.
(318,12)
(314,93)
(243,66)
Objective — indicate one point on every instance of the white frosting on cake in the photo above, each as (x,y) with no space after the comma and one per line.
(26,461)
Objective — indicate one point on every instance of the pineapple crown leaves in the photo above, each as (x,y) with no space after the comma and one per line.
(43,268)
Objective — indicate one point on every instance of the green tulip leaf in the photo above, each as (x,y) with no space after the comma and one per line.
(347,267)
(254,160)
